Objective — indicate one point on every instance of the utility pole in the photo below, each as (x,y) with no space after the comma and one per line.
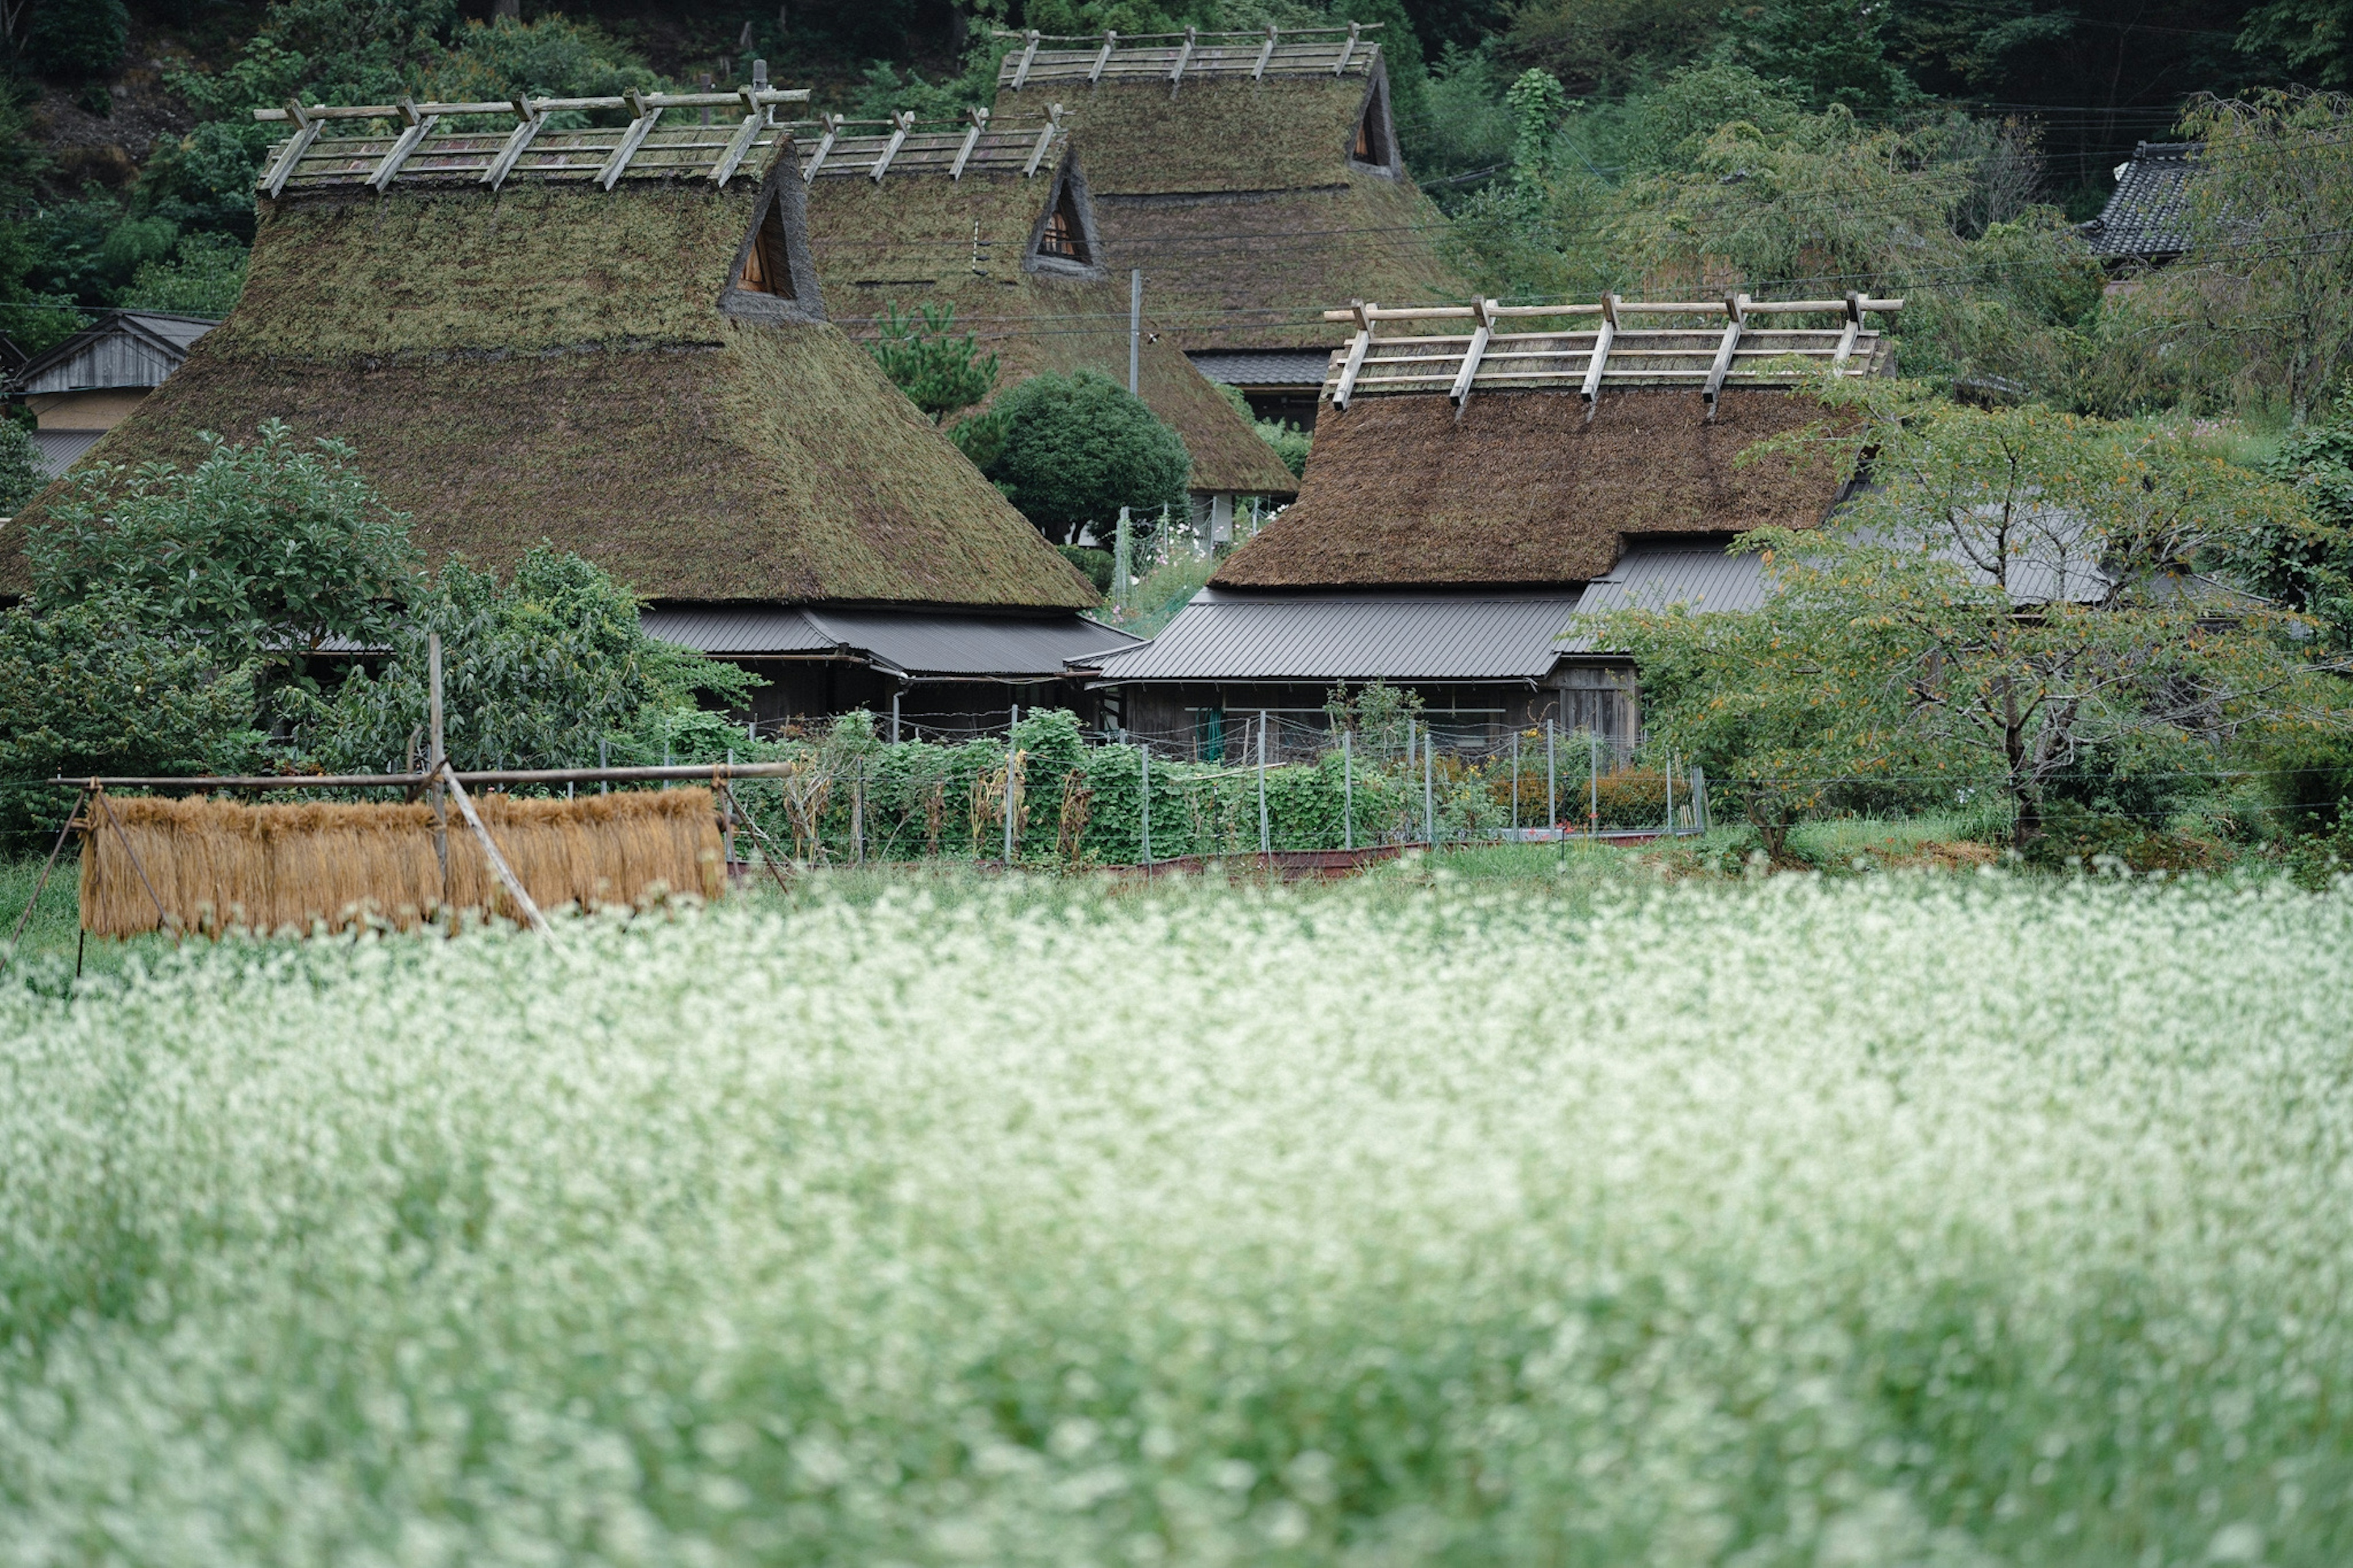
(436,757)
(1123,555)
(1134,328)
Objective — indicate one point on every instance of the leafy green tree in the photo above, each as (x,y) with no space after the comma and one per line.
(2015,592)
(203,278)
(1078,448)
(2316,36)
(80,44)
(536,671)
(22,475)
(2306,562)
(939,372)
(261,553)
(1831,50)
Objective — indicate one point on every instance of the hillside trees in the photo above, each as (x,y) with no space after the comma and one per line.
(2018,593)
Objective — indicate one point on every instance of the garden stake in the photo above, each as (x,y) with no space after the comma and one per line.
(490,848)
(434,757)
(1593,738)
(1145,750)
(1429,799)
(1516,784)
(1264,847)
(1670,795)
(1347,791)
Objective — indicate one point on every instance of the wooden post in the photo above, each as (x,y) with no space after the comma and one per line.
(1123,556)
(857,814)
(894,718)
(1134,327)
(1670,795)
(1347,790)
(1699,798)
(1516,784)
(436,758)
(1265,53)
(1428,793)
(726,813)
(1102,57)
(1184,54)
(1552,782)
(1593,738)
(512,883)
(1265,842)
(1146,752)
(1029,53)
(603,760)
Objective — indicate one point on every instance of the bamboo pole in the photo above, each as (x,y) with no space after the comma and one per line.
(1265,841)
(40,884)
(437,760)
(1145,748)
(512,883)
(162,916)
(684,772)
(1348,789)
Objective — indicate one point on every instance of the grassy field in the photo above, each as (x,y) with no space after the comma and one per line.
(1483,1210)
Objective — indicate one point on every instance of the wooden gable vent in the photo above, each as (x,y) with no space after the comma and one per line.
(1376,142)
(1064,236)
(768,265)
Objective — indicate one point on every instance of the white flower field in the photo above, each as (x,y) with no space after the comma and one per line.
(1902,1220)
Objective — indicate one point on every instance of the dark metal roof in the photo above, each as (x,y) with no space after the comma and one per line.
(915,644)
(129,348)
(1263,367)
(1653,577)
(2148,215)
(1230,636)
(61,449)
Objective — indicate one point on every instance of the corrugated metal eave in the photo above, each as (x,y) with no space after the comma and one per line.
(1312,639)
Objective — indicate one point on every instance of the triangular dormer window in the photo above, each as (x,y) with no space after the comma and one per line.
(1375,145)
(1064,237)
(768,265)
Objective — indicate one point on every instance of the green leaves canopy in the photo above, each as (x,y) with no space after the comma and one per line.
(1078,448)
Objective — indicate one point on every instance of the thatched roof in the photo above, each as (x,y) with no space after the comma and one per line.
(976,240)
(553,360)
(1244,199)
(1524,491)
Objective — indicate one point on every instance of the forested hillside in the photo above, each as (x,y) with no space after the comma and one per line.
(1940,149)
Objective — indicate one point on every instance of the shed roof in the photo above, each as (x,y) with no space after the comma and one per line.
(555,361)
(1243,199)
(1523,489)
(2148,215)
(1237,635)
(916,644)
(927,232)
(125,349)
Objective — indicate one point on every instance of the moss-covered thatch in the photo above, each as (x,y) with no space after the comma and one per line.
(918,237)
(553,361)
(1242,203)
(1524,491)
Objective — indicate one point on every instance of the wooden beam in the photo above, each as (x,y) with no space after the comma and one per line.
(1355,362)
(1733,307)
(832,124)
(1599,365)
(298,112)
(517,142)
(904,123)
(1846,339)
(1347,49)
(388,167)
(300,143)
(1111,42)
(1029,52)
(1183,53)
(1265,53)
(490,848)
(631,140)
(979,117)
(1045,139)
(1461,392)
(738,148)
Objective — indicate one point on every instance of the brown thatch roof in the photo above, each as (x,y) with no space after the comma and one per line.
(553,361)
(1246,206)
(1524,491)
(917,237)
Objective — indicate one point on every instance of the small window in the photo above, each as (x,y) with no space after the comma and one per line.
(1373,145)
(767,267)
(1063,237)
(1365,140)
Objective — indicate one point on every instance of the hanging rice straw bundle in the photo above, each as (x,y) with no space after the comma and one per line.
(216,864)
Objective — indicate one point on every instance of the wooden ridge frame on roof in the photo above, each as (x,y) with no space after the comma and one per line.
(1605,354)
(974,145)
(422,150)
(1171,57)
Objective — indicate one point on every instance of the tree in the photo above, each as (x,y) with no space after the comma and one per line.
(1830,49)
(939,373)
(88,690)
(22,475)
(2017,591)
(262,552)
(1078,448)
(536,670)
(2306,562)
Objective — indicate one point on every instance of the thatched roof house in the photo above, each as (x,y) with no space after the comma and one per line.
(993,218)
(615,340)
(1254,177)
(1474,487)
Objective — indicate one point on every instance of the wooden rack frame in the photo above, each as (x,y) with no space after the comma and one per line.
(1608,354)
(905,145)
(423,149)
(1173,58)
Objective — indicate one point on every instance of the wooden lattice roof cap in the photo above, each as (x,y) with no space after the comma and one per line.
(422,150)
(835,147)
(1607,354)
(1173,57)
